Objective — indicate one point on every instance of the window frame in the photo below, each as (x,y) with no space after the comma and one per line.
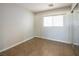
(54,24)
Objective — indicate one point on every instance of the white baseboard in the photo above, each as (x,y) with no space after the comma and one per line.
(58,40)
(76,44)
(33,37)
(16,44)
(54,39)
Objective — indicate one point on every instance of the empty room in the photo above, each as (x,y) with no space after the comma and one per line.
(39,29)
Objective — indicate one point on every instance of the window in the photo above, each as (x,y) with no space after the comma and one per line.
(53,21)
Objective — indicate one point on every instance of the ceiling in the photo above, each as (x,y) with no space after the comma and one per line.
(37,7)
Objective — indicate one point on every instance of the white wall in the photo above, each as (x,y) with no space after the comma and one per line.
(75,28)
(54,33)
(16,25)
(1,34)
(75,19)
